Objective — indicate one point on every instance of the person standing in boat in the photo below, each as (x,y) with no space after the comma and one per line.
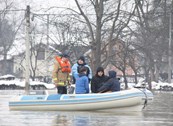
(80,63)
(82,84)
(61,73)
(111,85)
(98,79)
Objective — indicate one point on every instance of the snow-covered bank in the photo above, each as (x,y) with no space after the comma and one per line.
(21,84)
(10,82)
(162,86)
(154,85)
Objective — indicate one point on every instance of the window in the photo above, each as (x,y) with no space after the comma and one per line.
(41,54)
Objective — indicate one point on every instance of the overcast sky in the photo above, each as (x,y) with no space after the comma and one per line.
(44,4)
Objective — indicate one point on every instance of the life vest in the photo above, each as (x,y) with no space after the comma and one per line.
(65,65)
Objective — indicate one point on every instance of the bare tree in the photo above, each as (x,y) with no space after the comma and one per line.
(9,27)
(151,36)
(107,26)
(6,35)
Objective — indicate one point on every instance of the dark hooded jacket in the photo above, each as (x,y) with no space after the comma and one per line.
(111,85)
(97,81)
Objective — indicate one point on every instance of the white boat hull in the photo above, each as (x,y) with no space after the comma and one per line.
(131,100)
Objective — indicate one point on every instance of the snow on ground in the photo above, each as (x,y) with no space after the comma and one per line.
(155,85)
(160,85)
(19,83)
(7,76)
(22,83)
(11,80)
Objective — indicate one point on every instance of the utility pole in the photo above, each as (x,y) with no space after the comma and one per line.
(47,55)
(48,29)
(170,44)
(27,43)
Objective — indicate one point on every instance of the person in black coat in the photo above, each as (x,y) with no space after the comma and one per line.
(112,84)
(98,79)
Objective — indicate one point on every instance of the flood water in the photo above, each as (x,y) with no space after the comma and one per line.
(159,113)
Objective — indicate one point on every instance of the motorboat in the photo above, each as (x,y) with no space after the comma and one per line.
(135,99)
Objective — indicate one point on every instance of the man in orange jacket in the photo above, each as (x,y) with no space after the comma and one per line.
(61,73)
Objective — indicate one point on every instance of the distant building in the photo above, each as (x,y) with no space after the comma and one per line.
(6,66)
(42,59)
(117,48)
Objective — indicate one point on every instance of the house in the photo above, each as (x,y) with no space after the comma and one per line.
(116,59)
(121,58)
(41,62)
(117,54)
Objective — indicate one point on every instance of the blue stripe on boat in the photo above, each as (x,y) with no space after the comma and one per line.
(34,97)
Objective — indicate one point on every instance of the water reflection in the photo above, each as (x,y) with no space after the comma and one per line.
(62,120)
(93,118)
(81,120)
(72,120)
(161,111)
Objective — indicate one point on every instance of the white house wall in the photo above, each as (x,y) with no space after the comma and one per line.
(44,67)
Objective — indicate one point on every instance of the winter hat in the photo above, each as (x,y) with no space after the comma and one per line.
(82,58)
(64,55)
